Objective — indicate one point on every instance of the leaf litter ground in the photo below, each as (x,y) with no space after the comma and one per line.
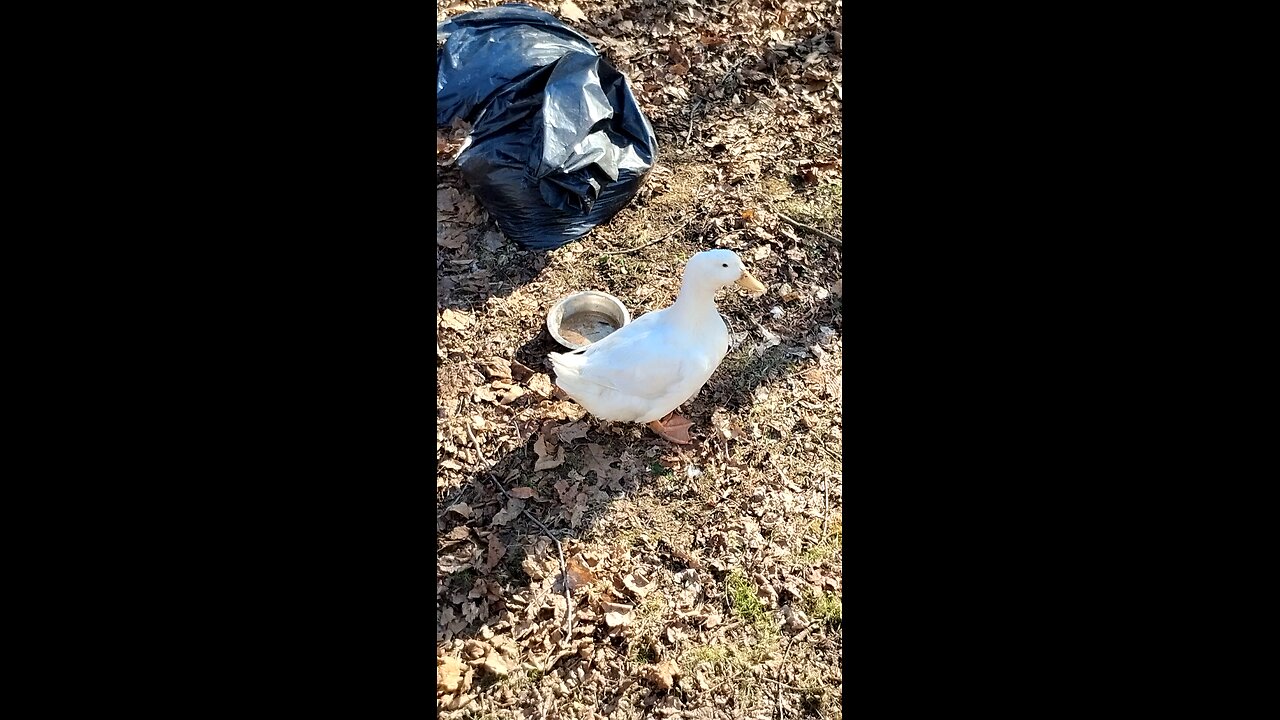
(705,580)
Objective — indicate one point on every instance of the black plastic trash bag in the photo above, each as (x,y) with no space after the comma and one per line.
(558,143)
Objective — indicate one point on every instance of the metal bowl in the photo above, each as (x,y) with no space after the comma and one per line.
(586,317)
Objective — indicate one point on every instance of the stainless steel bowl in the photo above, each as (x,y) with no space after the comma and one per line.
(586,317)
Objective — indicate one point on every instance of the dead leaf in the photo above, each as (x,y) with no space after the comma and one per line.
(462,509)
(541,384)
(519,372)
(572,431)
(662,674)
(509,513)
(571,12)
(617,614)
(496,551)
(678,69)
(838,288)
(639,584)
(449,674)
(524,493)
(578,572)
(456,320)
(511,394)
(495,368)
(462,532)
(544,462)
(494,663)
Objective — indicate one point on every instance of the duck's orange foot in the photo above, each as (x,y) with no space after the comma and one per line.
(674,428)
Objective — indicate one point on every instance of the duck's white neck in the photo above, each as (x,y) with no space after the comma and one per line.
(696,297)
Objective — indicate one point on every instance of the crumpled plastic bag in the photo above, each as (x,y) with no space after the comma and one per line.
(558,143)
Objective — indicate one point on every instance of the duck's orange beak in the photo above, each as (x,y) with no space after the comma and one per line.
(749,282)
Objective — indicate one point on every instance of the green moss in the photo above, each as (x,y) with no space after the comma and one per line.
(742,597)
(826,607)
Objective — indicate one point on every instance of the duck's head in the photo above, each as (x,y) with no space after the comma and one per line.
(718,268)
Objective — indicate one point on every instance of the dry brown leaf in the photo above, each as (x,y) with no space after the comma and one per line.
(578,572)
(450,237)
(462,532)
(509,513)
(541,384)
(572,431)
(519,372)
(455,320)
(617,614)
(449,674)
(524,493)
(495,368)
(570,11)
(546,460)
(496,551)
(662,674)
(494,663)
(639,584)
(511,394)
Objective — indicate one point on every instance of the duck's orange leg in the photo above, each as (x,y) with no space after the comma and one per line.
(673,427)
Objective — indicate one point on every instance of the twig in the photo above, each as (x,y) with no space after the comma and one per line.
(828,450)
(683,225)
(826,507)
(782,663)
(814,230)
(731,70)
(564,570)
(692,111)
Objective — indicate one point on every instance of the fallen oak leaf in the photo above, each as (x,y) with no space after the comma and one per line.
(638,584)
(617,614)
(546,460)
(578,572)
(571,431)
(455,320)
(496,551)
(510,395)
(571,11)
(509,513)
(449,674)
(662,674)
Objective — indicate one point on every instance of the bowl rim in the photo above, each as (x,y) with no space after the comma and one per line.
(555,331)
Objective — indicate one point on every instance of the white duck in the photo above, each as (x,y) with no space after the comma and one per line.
(645,370)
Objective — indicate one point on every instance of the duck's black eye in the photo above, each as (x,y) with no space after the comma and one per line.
(724,264)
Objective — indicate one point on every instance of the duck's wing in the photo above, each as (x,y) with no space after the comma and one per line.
(642,362)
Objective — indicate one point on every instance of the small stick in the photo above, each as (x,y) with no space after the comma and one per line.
(564,570)
(826,507)
(683,225)
(692,112)
(814,230)
(782,662)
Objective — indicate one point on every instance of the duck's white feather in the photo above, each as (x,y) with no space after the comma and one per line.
(645,370)
(648,368)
